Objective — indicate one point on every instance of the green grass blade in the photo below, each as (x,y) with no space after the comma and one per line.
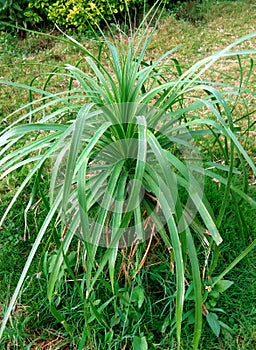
(164,193)
(100,220)
(197,288)
(235,262)
(33,250)
(117,219)
(73,151)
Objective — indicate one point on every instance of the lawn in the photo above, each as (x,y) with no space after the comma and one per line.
(135,311)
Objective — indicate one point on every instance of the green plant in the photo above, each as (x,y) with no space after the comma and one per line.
(125,166)
(81,14)
(13,12)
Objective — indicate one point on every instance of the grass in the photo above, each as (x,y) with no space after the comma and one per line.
(23,60)
(32,320)
(136,306)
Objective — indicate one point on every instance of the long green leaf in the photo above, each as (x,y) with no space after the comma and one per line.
(32,253)
(197,288)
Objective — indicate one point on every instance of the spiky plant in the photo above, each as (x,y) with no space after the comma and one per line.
(124,160)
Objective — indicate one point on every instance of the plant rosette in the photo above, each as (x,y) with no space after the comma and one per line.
(118,173)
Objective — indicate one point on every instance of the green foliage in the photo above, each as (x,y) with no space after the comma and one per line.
(114,144)
(84,14)
(81,14)
(139,343)
(212,319)
(12,12)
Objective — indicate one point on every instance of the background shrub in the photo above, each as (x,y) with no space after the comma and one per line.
(80,14)
(12,12)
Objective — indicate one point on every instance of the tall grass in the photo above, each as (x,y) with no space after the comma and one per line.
(126,165)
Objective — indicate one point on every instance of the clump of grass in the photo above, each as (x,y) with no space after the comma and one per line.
(126,169)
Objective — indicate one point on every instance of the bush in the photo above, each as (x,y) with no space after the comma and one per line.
(12,12)
(81,13)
